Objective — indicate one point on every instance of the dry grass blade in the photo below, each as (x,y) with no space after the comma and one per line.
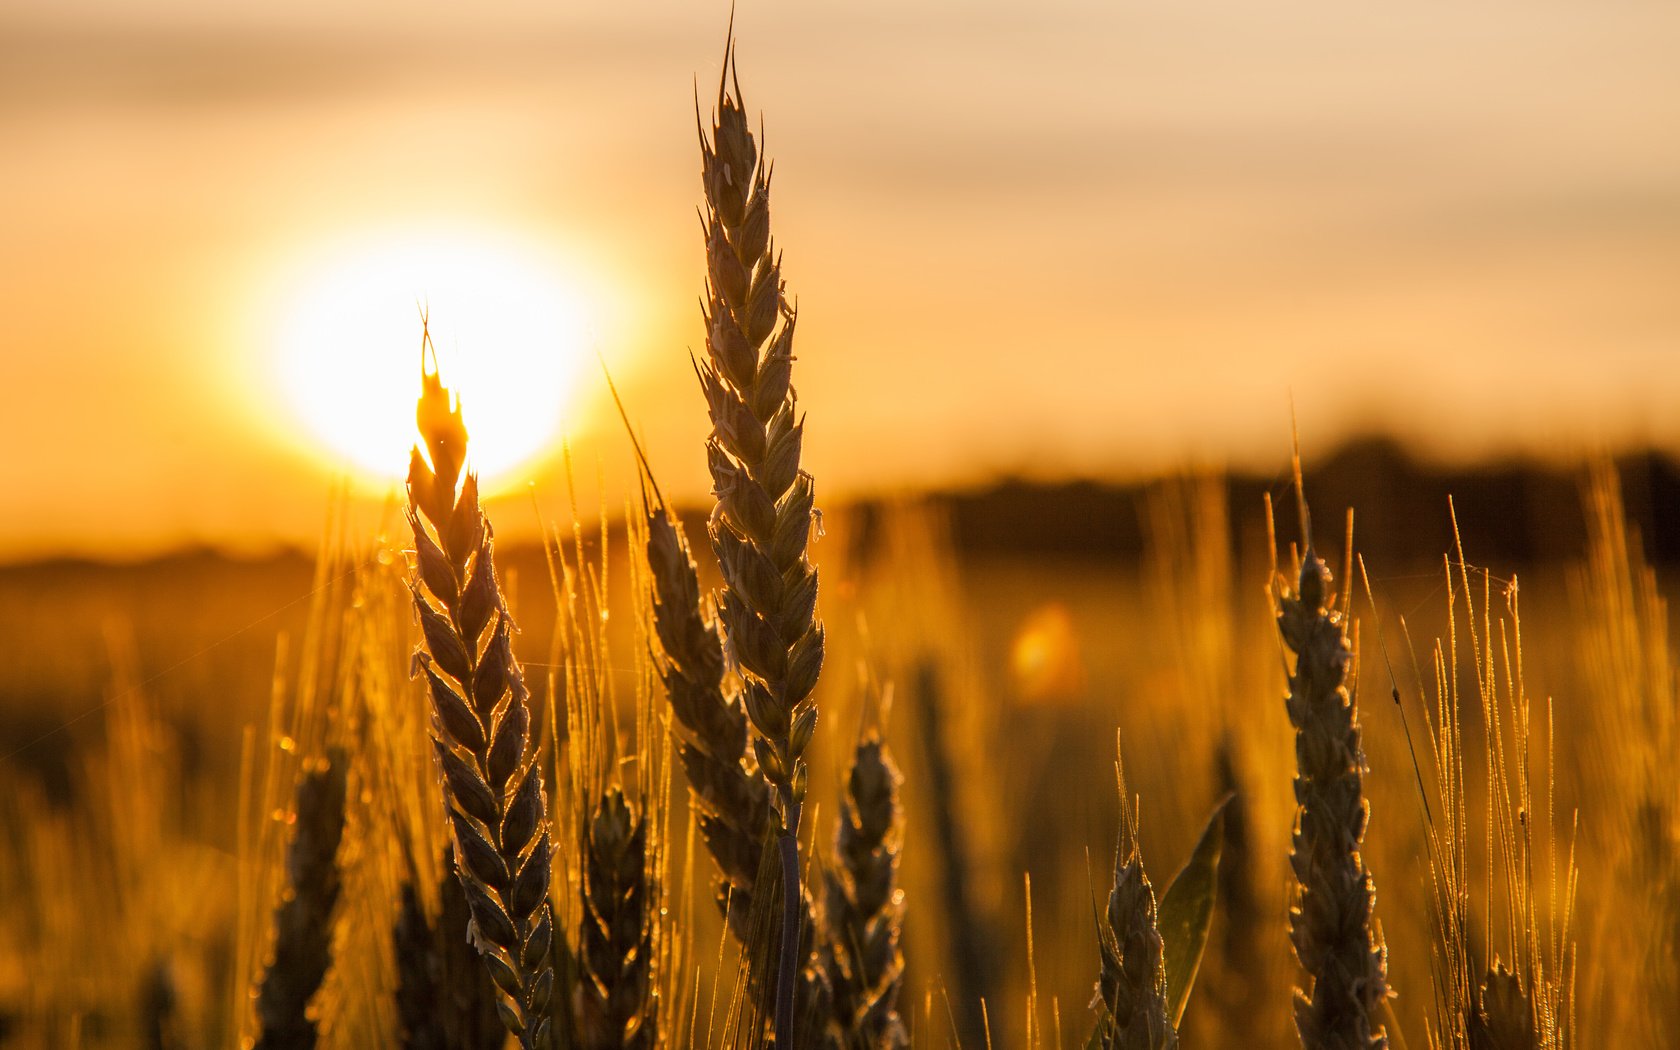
(1330,924)
(497,806)
(864,907)
(1132,985)
(762,521)
(303,922)
(615,943)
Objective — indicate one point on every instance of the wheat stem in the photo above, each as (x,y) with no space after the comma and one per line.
(496,804)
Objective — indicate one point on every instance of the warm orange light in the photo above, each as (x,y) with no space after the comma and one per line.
(1045,664)
(509,331)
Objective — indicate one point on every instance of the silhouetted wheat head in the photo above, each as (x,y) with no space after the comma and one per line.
(615,943)
(1131,996)
(736,806)
(444,998)
(303,923)
(863,906)
(762,521)
(493,788)
(1330,925)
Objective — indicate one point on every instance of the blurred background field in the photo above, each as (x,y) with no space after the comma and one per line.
(1001,636)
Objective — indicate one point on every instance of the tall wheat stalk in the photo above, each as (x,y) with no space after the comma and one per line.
(493,788)
(1132,983)
(303,922)
(615,943)
(1331,922)
(863,904)
(1524,997)
(762,520)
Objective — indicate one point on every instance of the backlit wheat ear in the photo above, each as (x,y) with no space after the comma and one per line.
(444,999)
(736,806)
(1132,983)
(496,805)
(303,922)
(1330,925)
(615,943)
(864,906)
(762,522)
(1503,1018)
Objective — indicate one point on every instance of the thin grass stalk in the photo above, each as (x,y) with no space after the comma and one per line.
(1484,1001)
(493,788)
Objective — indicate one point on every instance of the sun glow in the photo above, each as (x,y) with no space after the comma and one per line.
(508,327)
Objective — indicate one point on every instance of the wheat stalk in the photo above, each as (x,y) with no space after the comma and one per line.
(1330,924)
(762,521)
(615,942)
(864,907)
(303,921)
(496,804)
(1132,982)
(444,998)
(736,806)
(1483,1002)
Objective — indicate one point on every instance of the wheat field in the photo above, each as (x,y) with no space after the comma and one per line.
(770,771)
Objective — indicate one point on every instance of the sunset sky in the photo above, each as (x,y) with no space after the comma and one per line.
(1051,239)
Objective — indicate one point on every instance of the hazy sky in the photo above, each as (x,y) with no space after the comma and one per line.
(1053,238)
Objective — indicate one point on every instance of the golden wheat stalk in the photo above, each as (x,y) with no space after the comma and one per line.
(1132,982)
(736,807)
(303,922)
(863,905)
(494,789)
(444,998)
(615,942)
(1330,924)
(762,521)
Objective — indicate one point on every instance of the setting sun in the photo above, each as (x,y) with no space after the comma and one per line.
(508,329)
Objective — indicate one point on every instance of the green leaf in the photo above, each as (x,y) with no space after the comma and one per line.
(1186,912)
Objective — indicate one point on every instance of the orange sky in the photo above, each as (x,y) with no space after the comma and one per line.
(1054,238)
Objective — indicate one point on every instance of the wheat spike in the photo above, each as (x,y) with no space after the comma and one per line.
(762,521)
(444,998)
(615,942)
(303,922)
(1132,983)
(1330,925)
(494,790)
(864,907)
(736,806)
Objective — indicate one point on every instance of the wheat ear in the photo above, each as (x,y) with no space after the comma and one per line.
(303,921)
(494,791)
(1132,982)
(864,906)
(444,998)
(1330,924)
(736,806)
(762,521)
(615,941)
